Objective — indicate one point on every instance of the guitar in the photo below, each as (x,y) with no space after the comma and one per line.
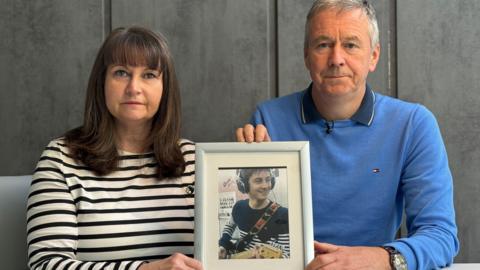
(262,251)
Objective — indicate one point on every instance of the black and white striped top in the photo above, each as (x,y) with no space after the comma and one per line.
(274,233)
(77,220)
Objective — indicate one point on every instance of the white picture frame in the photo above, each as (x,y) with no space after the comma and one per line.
(214,161)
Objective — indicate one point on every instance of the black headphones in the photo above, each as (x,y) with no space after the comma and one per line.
(243,176)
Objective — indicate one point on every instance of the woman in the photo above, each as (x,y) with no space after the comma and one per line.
(262,223)
(114,193)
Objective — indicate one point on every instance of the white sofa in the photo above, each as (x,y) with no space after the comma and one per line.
(13,240)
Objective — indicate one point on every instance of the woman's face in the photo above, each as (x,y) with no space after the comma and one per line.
(260,184)
(133,93)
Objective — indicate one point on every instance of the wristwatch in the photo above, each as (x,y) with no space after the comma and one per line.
(397,261)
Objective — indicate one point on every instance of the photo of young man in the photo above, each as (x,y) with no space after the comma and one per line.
(257,227)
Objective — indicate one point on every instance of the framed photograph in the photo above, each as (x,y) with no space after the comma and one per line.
(253,206)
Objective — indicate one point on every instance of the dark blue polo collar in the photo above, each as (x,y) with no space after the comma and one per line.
(364,115)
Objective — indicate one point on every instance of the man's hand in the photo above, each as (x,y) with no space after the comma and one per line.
(256,253)
(330,257)
(222,253)
(249,134)
(176,261)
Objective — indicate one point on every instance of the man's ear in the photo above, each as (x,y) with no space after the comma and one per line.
(305,58)
(374,58)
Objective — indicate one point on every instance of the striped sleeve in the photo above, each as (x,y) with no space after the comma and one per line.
(225,240)
(52,227)
(283,243)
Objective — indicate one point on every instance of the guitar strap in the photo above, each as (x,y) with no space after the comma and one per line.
(265,218)
(257,227)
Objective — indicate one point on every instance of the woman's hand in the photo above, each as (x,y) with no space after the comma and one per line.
(177,261)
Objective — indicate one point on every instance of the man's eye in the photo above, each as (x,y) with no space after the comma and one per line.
(351,45)
(257,180)
(120,73)
(322,45)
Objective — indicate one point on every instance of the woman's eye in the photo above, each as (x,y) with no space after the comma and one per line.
(150,75)
(120,73)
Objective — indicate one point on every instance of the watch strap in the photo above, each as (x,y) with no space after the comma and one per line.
(397,260)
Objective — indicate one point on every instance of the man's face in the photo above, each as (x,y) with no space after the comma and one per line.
(339,54)
(260,185)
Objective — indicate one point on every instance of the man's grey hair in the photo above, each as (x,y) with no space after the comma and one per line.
(345,5)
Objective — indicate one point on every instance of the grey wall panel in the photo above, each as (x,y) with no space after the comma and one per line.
(292,74)
(46,52)
(383,80)
(222,55)
(438,65)
(230,55)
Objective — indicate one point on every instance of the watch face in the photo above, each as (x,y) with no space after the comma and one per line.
(399,262)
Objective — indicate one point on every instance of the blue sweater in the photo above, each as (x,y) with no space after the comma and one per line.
(366,171)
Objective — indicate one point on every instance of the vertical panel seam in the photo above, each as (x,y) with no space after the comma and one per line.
(277,69)
(107,18)
(394,53)
(273,45)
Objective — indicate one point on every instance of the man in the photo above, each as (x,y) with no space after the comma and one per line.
(263,224)
(371,156)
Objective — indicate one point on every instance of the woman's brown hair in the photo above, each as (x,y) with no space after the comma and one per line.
(93,143)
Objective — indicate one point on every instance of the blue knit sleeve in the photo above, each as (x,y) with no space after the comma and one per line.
(256,117)
(427,185)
